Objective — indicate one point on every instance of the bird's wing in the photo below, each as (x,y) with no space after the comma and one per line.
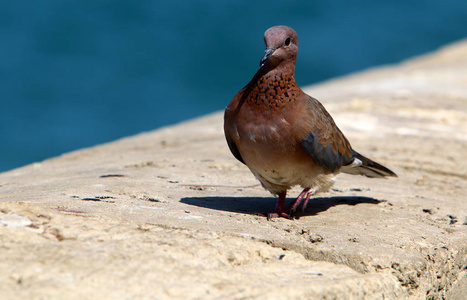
(233,148)
(324,142)
(230,128)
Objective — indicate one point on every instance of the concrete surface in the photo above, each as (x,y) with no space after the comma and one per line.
(170,214)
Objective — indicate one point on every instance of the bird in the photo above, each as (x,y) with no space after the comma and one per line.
(286,137)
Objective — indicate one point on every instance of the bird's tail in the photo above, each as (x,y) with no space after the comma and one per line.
(366,167)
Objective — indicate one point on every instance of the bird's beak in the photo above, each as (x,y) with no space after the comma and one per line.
(267,53)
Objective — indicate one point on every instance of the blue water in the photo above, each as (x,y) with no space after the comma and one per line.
(79,73)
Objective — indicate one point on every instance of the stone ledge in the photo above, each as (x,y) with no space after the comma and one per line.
(171,214)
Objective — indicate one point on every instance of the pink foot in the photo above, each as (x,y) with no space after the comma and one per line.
(280,212)
(278,215)
(280,208)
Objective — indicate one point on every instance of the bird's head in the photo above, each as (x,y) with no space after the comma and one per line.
(281,45)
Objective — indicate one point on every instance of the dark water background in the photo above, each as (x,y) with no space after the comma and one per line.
(79,73)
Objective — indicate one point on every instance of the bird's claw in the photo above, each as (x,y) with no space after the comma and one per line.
(278,215)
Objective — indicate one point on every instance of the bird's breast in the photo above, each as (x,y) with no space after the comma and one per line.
(270,143)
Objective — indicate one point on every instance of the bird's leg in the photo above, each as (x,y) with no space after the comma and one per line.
(307,198)
(305,194)
(280,207)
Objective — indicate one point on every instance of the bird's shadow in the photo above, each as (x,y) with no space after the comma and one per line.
(255,205)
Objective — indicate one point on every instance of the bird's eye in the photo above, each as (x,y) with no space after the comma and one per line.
(287,41)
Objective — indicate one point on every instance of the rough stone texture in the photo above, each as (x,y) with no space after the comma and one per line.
(170,214)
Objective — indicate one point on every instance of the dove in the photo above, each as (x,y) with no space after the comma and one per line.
(286,137)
